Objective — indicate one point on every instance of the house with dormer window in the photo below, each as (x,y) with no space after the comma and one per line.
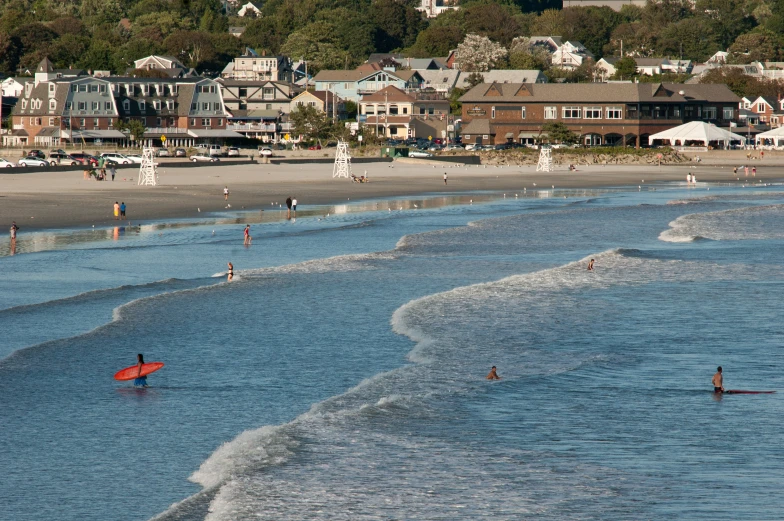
(764,107)
(352,85)
(570,55)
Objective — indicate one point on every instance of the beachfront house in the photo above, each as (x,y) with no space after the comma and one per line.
(254,67)
(616,114)
(321,100)
(351,85)
(393,113)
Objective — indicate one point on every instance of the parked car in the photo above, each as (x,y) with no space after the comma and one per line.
(36,153)
(436,147)
(163,152)
(204,157)
(85,159)
(33,161)
(419,153)
(117,158)
(136,159)
(315,147)
(211,150)
(453,147)
(233,152)
(471,146)
(4,163)
(265,151)
(180,152)
(57,158)
(503,146)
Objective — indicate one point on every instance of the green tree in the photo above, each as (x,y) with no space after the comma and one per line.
(559,133)
(455,105)
(495,21)
(97,12)
(634,39)
(398,24)
(760,45)
(437,41)
(625,68)
(692,37)
(310,123)
(351,109)
(265,34)
(194,47)
(592,26)
(474,79)
(727,19)
(315,43)
(550,22)
(133,127)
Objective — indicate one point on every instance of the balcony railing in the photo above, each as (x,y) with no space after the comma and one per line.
(167,130)
(256,127)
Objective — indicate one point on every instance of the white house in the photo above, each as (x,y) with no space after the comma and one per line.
(433,8)
(158,62)
(13,87)
(570,55)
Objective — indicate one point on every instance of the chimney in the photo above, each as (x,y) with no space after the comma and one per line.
(264,52)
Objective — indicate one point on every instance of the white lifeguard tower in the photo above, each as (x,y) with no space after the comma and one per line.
(342,166)
(148,173)
(545,159)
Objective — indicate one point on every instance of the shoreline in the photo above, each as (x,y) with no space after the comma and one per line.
(57,200)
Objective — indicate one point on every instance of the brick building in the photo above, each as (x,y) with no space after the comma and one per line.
(600,113)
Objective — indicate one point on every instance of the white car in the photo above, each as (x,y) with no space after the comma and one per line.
(265,152)
(117,158)
(233,152)
(33,161)
(4,163)
(419,153)
(136,159)
(203,157)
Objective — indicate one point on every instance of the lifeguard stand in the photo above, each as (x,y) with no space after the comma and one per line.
(545,159)
(148,172)
(342,166)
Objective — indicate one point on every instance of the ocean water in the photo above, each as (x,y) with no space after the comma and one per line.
(341,374)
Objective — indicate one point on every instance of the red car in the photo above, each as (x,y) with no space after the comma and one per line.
(85,158)
(315,147)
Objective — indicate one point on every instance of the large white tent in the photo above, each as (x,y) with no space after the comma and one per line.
(775,135)
(696,132)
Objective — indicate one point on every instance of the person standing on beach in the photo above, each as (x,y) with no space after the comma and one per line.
(718,381)
(122,210)
(746,170)
(288,206)
(294,205)
(734,170)
(754,171)
(493,375)
(688,179)
(444,177)
(248,238)
(225,193)
(231,271)
(112,170)
(116,211)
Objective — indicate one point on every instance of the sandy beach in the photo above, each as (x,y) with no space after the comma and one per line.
(65,199)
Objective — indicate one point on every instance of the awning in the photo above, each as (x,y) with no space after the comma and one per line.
(49,132)
(527,135)
(19,132)
(213,133)
(509,135)
(95,134)
(156,134)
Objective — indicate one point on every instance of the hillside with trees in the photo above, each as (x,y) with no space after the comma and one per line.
(110,34)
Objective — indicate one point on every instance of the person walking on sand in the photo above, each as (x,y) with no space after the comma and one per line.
(754,171)
(294,205)
(112,170)
(590,265)
(248,238)
(116,211)
(288,207)
(225,193)
(122,210)
(231,271)
(445,178)
(493,375)
(718,381)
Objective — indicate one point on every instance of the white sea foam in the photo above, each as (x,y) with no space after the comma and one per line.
(751,222)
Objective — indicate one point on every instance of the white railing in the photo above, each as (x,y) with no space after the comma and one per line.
(166,130)
(258,127)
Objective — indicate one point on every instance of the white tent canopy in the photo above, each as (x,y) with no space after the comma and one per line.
(776,135)
(696,131)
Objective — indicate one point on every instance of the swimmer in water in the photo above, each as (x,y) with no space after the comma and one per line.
(493,375)
(140,381)
(718,381)
(590,265)
(231,271)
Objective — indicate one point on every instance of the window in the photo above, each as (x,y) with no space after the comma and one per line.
(760,107)
(550,112)
(96,105)
(96,122)
(194,106)
(522,112)
(158,122)
(193,122)
(84,88)
(268,106)
(74,88)
(126,106)
(110,123)
(32,121)
(156,104)
(38,121)
(571,112)
(82,105)
(102,88)
(220,122)
(107,105)
(466,136)
(82,123)
(51,122)
(242,92)
(52,104)
(216,106)
(614,112)
(52,87)
(205,106)
(729,113)
(710,113)
(405,110)
(68,105)
(93,88)
(170,104)
(24,104)
(269,93)
(370,109)
(592,113)
(393,110)
(492,112)
(142,106)
(205,122)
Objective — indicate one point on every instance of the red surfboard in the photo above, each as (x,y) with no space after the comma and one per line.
(130,373)
(740,391)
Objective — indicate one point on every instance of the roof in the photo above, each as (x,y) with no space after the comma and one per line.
(651,62)
(379,56)
(390,93)
(477,126)
(503,76)
(45,66)
(405,75)
(340,75)
(597,93)
(696,131)
(446,76)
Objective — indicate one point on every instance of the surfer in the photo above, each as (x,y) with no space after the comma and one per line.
(492,375)
(718,381)
(590,265)
(140,381)
(231,271)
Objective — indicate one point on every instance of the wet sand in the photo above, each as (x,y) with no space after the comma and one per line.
(65,199)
